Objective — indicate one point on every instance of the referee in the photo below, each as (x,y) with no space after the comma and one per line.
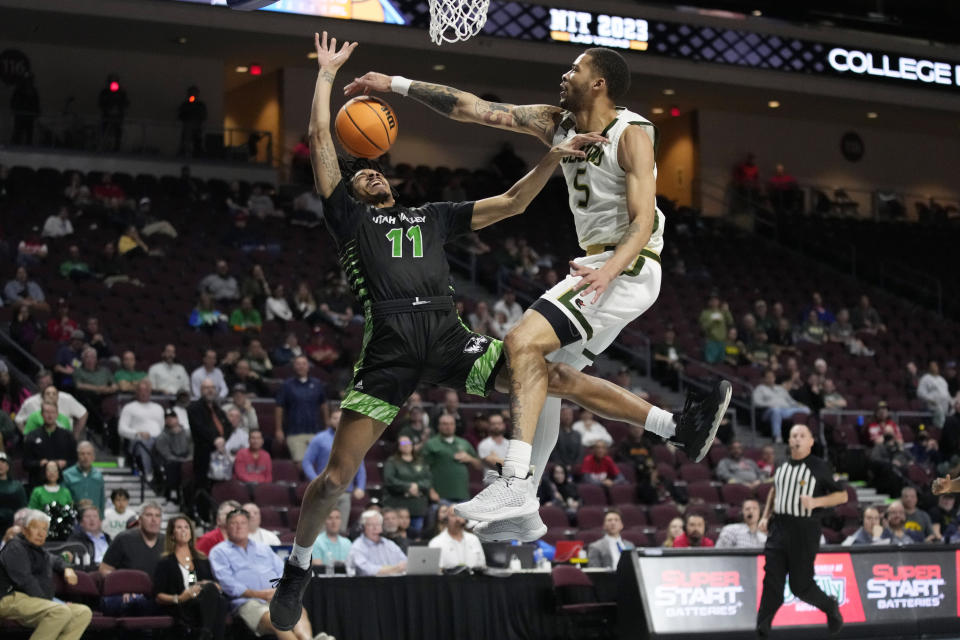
(802,487)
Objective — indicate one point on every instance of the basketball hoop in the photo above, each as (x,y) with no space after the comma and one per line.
(456,20)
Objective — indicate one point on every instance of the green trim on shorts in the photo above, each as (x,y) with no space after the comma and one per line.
(369,406)
(590,354)
(479,376)
(566,301)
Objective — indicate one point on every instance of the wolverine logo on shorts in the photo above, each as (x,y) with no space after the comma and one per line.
(476,344)
(579,302)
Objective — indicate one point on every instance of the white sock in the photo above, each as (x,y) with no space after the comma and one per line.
(517,462)
(300,556)
(661,423)
(548,430)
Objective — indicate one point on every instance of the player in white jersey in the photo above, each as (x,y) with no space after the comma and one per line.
(612,196)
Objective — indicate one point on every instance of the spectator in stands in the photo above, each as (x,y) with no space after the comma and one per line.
(208,426)
(141,421)
(714,322)
(952,378)
(49,443)
(734,351)
(131,245)
(59,225)
(510,307)
(307,208)
(767,462)
(115,518)
(69,358)
(911,379)
(290,349)
(881,424)
(26,582)
(591,431)
(151,225)
(812,330)
(871,532)
(889,461)
(173,447)
(895,518)
(785,195)
(744,535)
(244,376)
(90,534)
(946,517)
(842,331)
(24,291)
(220,467)
(458,547)
(493,449)
(253,463)
(51,490)
(832,399)
(245,570)
(569,446)
(736,469)
(391,529)
(93,381)
(560,491)
(245,318)
(276,307)
(866,318)
(950,436)
(407,481)
(75,267)
(137,548)
(809,394)
(127,376)
(218,534)
(84,481)
(12,395)
(824,315)
(25,329)
(301,409)
(331,548)
(777,405)
(694,533)
(746,181)
(167,376)
(304,302)
(184,584)
(759,352)
(208,370)
(917,522)
(781,336)
(67,409)
(77,192)
(932,389)
(480,319)
(61,326)
(373,555)
(320,350)
(674,531)
(925,450)
(414,427)
(12,495)
(206,317)
(261,204)
(599,468)
(667,362)
(450,407)
(256,532)
(240,400)
(318,453)
(220,285)
(448,455)
(747,328)
(605,552)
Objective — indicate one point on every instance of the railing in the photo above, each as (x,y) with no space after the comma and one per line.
(23,356)
(153,138)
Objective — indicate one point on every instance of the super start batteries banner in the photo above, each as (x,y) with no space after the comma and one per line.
(722,592)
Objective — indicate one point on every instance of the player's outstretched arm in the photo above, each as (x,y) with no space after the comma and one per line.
(323,155)
(538,120)
(635,155)
(520,195)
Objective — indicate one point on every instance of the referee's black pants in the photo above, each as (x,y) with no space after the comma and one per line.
(792,546)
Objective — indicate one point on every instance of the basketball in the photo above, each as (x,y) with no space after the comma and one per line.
(366,127)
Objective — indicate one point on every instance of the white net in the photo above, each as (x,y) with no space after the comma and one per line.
(456,20)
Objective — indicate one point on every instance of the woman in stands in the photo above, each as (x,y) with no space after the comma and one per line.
(50,491)
(184,585)
(407,480)
(674,530)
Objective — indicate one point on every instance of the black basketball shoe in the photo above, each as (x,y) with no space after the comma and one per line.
(286,606)
(698,422)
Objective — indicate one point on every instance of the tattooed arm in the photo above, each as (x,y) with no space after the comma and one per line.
(323,155)
(539,120)
(635,155)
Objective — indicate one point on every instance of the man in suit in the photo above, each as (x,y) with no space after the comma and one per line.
(91,536)
(606,551)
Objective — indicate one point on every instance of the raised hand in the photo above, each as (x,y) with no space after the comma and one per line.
(328,57)
(370,81)
(941,485)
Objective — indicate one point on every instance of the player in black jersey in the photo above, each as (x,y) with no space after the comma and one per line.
(397,267)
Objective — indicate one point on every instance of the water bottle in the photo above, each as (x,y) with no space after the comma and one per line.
(86,559)
(328,561)
(515,564)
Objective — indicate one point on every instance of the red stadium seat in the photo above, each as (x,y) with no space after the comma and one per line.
(590,517)
(634,515)
(703,490)
(662,514)
(273,493)
(592,494)
(554,516)
(623,494)
(692,472)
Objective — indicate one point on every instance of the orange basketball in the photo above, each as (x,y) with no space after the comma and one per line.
(366,127)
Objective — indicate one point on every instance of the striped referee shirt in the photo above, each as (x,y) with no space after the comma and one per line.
(811,476)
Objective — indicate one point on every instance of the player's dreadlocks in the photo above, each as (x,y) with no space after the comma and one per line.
(350,166)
